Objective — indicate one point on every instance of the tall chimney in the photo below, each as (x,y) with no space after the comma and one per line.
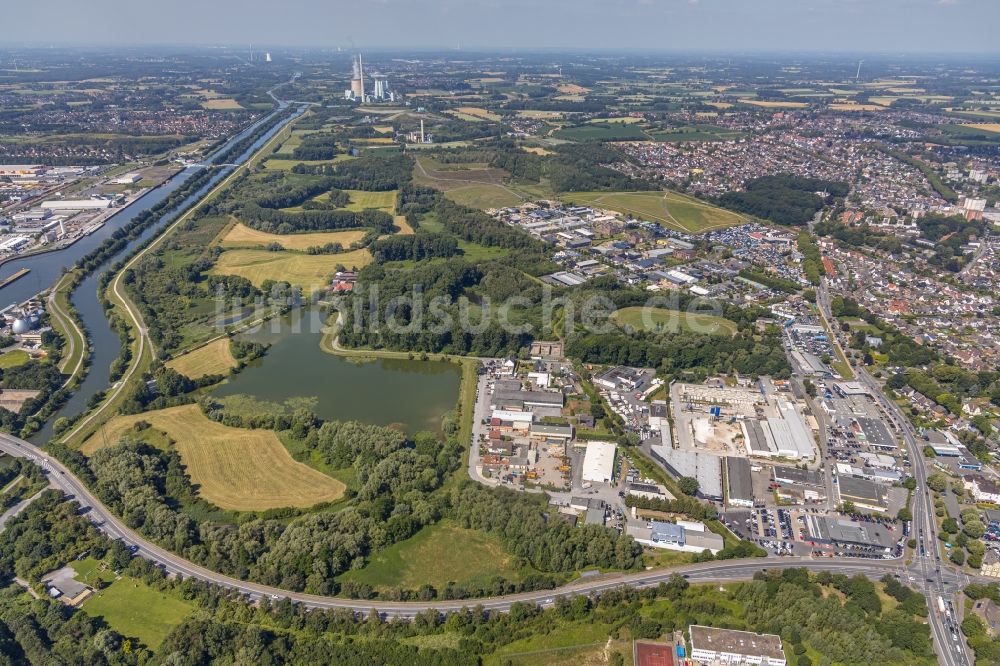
(361,73)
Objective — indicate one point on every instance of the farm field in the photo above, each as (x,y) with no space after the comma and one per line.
(404,227)
(989,127)
(438,554)
(662,319)
(774,105)
(696,133)
(224,104)
(243,236)
(602,132)
(669,209)
(282,164)
(857,107)
(477,113)
(304,270)
(211,359)
(234,468)
(361,200)
(132,608)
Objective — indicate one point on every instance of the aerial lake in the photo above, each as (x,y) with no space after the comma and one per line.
(410,394)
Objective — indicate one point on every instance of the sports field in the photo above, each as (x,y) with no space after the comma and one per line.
(243,236)
(134,609)
(304,270)
(662,319)
(669,209)
(211,359)
(438,554)
(234,468)
(360,200)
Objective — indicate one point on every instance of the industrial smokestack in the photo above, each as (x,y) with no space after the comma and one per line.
(361,73)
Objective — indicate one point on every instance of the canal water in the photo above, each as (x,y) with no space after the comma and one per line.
(413,395)
(47,268)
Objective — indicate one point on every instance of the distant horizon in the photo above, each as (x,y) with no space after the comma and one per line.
(518,50)
(730,26)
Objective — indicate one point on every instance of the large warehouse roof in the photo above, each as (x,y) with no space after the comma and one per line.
(739,484)
(705,467)
(599,462)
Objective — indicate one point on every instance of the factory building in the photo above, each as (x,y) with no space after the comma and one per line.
(863,493)
(739,485)
(76,204)
(599,462)
(704,467)
(729,646)
(685,536)
(844,532)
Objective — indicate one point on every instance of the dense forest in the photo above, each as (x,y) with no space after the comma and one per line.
(372,172)
(783,198)
(685,354)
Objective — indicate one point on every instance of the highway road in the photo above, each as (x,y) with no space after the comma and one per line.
(939,577)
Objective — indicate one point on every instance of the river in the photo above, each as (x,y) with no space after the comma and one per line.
(47,268)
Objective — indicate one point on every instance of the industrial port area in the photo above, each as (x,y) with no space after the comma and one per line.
(45,208)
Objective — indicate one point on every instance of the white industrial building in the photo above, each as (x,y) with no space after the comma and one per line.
(76,204)
(729,646)
(599,462)
(127,179)
(685,536)
(14,243)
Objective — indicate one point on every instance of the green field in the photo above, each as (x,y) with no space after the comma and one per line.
(360,200)
(483,196)
(14,358)
(598,132)
(134,609)
(88,570)
(660,319)
(668,209)
(695,133)
(438,554)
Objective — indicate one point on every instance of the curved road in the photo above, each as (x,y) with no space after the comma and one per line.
(719,571)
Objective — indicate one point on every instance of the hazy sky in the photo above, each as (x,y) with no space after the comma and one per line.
(842,25)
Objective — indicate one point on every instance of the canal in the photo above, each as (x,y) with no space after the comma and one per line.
(47,268)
